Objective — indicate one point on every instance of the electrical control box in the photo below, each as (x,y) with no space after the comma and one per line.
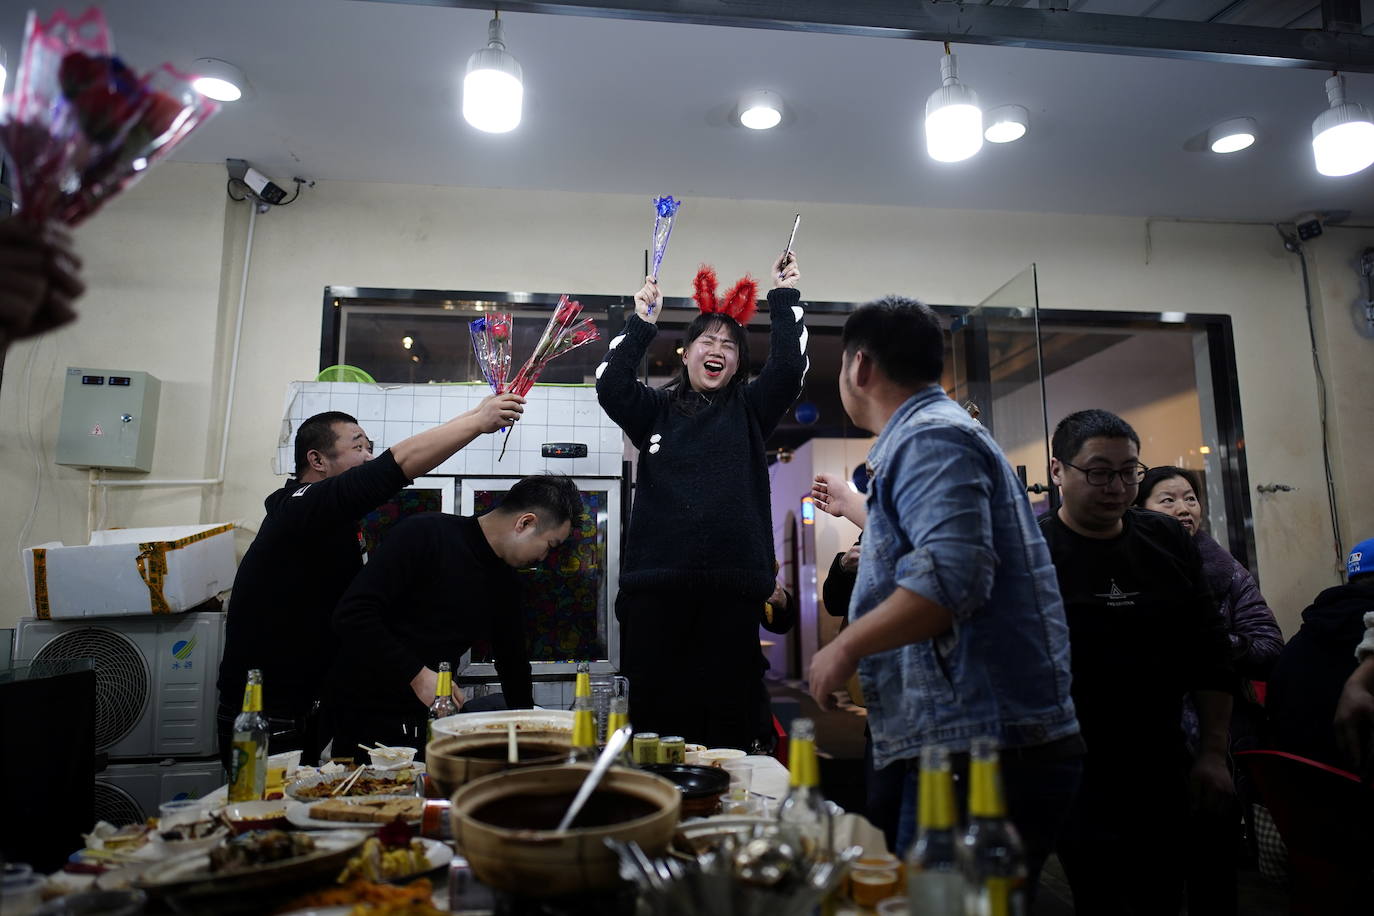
(109,420)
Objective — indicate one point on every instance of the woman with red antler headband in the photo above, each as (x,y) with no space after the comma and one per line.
(698,563)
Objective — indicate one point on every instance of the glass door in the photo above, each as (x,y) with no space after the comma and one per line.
(997,374)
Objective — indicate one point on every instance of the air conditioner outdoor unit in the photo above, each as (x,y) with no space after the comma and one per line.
(154,676)
(129,793)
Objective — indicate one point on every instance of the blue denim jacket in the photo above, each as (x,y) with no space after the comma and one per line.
(949,520)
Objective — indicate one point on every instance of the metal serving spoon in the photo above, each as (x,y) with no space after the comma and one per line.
(615,743)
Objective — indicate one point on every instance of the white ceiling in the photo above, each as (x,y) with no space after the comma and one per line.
(369,91)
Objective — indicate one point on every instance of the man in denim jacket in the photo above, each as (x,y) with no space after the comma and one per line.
(957,629)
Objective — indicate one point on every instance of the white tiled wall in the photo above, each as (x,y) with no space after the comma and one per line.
(390,413)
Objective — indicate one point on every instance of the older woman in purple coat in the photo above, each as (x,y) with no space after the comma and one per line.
(1255,637)
(1255,646)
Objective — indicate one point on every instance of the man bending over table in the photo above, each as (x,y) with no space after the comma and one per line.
(439,584)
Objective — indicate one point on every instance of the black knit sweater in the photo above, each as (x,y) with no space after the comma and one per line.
(701,518)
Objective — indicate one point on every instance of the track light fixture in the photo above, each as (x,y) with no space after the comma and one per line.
(1343,135)
(954,119)
(493,90)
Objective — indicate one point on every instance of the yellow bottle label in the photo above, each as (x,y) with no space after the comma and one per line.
(242,785)
(616,721)
(584,729)
(444,686)
(997,897)
(583,686)
(801,757)
(936,805)
(252,698)
(985,790)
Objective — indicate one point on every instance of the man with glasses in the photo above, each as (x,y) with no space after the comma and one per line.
(1143,630)
(308,550)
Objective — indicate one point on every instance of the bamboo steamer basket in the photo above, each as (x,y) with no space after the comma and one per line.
(545,863)
(450,763)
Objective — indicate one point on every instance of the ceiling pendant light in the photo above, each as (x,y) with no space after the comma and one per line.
(1232,136)
(492,88)
(954,120)
(1343,135)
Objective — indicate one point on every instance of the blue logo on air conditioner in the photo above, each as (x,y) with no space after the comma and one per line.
(183,648)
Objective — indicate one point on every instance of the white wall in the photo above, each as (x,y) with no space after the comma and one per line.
(163,265)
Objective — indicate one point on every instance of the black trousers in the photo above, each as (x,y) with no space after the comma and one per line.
(694,667)
(1124,847)
(289,730)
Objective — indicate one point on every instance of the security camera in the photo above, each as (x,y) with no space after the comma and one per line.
(274,193)
(262,187)
(1309,226)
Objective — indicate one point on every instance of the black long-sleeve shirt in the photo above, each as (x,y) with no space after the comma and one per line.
(306,553)
(1143,631)
(429,592)
(701,517)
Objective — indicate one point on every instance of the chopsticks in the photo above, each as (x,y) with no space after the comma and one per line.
(349,781)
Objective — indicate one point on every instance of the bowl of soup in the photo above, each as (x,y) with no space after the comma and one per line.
(504,824)
(455,760)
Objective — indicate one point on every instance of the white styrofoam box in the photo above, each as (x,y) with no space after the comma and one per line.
(130,571)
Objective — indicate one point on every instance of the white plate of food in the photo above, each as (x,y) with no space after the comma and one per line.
(526,720)
(369,783)
(243,874)
(366,813)
(376,861)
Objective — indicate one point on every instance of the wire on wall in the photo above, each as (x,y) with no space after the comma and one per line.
(1292,244)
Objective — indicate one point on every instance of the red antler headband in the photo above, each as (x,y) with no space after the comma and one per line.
(740,302)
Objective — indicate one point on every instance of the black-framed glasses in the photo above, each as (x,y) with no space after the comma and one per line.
(1101,477)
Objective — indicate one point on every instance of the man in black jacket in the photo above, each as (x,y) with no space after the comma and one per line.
(1143,630)
(1306,682)
(307,551)
(439,584)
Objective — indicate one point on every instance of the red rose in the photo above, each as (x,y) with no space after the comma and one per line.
(162,112)
(102,111)
(500,330)
(78,71)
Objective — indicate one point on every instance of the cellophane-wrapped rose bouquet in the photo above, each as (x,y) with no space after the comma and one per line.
(80,126)
(491,344)
(563,334)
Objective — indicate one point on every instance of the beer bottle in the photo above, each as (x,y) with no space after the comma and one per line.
(444,704)
(584,732)
(935,884)
(248,761)
(994,864)
(803,809)
(582,687)
(618,718)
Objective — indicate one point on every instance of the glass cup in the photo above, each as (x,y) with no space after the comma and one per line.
(873,879)
(741,774)
(181,811)
(604,687)
(893,906)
